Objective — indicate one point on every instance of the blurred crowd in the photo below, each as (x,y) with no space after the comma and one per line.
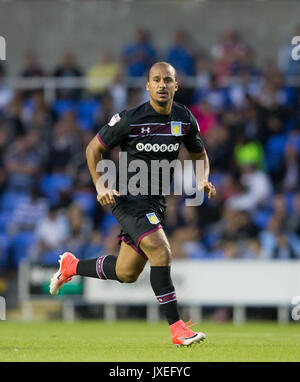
(249,117)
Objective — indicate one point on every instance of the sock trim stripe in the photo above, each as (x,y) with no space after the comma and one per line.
(166,294)
(163,303)
(166,298)
(99,268)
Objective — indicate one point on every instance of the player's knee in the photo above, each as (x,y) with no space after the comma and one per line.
(128,276)
(159,253)
(162,256)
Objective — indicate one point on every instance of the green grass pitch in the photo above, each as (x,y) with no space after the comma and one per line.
(137,341)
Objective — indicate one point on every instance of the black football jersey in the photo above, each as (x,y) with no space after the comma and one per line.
(148,136)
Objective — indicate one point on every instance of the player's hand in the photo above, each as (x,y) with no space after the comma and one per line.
(209,189)
(107,197)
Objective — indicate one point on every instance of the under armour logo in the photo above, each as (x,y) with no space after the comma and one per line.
(146,130)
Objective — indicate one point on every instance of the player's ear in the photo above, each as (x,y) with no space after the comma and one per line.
(147,85)
(176,86)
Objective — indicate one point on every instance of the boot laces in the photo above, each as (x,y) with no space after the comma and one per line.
(186,327)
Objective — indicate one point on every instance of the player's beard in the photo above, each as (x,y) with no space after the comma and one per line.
(163,103)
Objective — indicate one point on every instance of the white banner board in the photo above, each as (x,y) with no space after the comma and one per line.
(228,282)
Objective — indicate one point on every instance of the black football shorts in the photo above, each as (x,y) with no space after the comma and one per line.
(138,217)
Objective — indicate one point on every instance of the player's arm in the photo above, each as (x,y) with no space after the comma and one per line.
(94,152)
(202,176)
(109,136)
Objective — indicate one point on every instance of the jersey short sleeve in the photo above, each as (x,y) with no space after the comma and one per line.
(115,131)
(192,140)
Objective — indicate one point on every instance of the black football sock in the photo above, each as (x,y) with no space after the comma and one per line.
(160,278)
(103,267)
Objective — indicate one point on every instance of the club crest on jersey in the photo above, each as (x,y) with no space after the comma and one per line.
(153,219)
(176,128)
(114,119)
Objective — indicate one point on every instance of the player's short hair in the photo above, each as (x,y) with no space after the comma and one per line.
(161,63)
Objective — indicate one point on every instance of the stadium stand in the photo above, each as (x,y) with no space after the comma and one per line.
(249,119)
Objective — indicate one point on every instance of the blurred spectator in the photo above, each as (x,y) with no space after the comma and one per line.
(2,70)
(6,93)
(80,228)
(79,169)
(68,70)
(214,95)
(36,112)
(228,54)
(181,54)
(29,212)
(248,151)
(31,68)
(245,67)
(205,116)
(257,189)
(187,235)
(23,162)
(119,94)
(102,75)
(139,55)
(110,242)
(107,111)
(277,242)
(275,140)
(274,92)
(203,71)
(4,139)
(218,146)
(252,116)
(237,235)
(14,116)
(288,175)
(94,247)
(52,233)
(136,97)
(293,221)
(279,206)
(246,82)
(254,250)
(65,142)
(240,227)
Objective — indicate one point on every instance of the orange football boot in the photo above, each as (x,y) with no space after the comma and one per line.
(182,335)
(68,264)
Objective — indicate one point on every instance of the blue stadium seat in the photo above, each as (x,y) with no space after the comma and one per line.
(274,151)
(21,245)
(5,220)
(61,107)
(92,251)
(86,113)
(289,201)
(51,257)
(106,223)
(291,94)
(11,199)
(4,251)
(261,217)
(86,200)
(52,184)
